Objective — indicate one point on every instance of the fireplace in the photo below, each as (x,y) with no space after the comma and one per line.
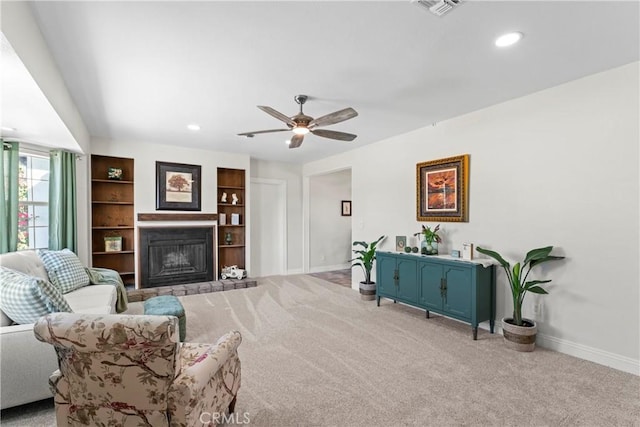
(175,255)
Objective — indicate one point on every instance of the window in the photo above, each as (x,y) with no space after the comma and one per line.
(33,201)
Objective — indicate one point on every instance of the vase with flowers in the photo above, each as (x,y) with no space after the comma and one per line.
(430,241)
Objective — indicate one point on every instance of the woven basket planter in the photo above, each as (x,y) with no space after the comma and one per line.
(520,338)
(367,291)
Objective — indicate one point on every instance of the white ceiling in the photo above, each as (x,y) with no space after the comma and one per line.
(142,71)
(27,115)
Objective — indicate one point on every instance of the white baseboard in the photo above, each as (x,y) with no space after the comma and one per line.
(324,268)
(601,357)
(294,271)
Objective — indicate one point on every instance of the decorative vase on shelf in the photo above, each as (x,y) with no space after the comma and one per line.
(429,248)
(227,238)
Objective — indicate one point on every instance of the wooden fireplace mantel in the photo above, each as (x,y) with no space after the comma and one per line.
(177,217)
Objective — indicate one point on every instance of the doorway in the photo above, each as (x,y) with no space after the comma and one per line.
(268,227)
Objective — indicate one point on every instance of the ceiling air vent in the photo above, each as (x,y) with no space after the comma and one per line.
(438,8)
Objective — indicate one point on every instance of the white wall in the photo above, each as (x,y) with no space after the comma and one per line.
(558,167)
(291,173)
(21,30)
(329,231)
(146,154)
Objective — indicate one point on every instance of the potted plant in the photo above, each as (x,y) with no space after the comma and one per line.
(431,240)
(366,257)
(520,333)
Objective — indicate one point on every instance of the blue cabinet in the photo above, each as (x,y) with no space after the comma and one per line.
(397,278)
(454,288)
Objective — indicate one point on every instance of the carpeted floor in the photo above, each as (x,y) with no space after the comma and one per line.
(339,277)
(316,355)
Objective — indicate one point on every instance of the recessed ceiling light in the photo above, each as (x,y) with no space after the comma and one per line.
(288,142)
(508,39)
(193,127)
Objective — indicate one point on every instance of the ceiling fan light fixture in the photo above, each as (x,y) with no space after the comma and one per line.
(508,39)
(300,130)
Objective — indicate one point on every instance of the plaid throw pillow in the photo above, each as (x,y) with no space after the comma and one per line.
(26,298)
(64,269)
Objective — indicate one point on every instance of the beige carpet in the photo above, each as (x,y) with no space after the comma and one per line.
(316,355)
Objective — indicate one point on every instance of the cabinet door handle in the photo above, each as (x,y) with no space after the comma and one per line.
(443,285)
(396,277)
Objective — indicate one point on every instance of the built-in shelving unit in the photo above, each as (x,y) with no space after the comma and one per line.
(112,215)
(230,182)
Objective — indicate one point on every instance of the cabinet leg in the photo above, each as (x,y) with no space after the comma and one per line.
(378,301)
(427,314)
(475,333)
(492,323)
(394,301)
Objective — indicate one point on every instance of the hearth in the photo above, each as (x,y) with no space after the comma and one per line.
(175,255)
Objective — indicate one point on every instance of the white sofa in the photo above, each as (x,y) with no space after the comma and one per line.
(27,363)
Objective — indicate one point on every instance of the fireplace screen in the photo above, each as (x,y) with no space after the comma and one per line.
(176,255)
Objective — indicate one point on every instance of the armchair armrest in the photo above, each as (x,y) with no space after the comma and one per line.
(197,373)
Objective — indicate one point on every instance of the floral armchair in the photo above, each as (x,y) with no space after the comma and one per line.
(131,370)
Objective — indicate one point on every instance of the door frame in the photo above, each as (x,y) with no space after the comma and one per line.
(282,194)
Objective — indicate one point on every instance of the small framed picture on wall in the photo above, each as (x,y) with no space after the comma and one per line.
(346,208)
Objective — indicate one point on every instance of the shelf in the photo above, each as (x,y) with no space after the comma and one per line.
(102,202)
(229,204)
(112,181)
(230,246)
(231,225)
(112,213)
(229,187)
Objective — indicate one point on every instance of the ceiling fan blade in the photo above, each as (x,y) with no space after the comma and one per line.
(335,117)
(251,134)
(334,134)
(277,114)
(296,141)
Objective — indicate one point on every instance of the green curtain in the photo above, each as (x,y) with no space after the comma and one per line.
(62,201)
(9,196)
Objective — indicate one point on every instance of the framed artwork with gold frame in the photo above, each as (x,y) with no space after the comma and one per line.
(442,189)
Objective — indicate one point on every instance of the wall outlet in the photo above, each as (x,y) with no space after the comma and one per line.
(537,308)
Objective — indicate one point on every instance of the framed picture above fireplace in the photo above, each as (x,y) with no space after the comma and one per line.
(178,187)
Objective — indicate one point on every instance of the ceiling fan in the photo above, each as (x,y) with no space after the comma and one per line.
(301,124)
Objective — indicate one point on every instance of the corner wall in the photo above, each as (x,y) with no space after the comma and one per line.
(558,167)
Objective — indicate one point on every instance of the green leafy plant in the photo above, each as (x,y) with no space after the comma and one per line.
(366,257)
(517,276)
(430,235)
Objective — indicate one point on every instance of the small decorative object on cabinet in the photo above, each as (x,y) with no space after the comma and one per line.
(401,243)
(112,215)
(458,289)
(467,251)
(520,333)
(366,257)
(231,181)
(430,241)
